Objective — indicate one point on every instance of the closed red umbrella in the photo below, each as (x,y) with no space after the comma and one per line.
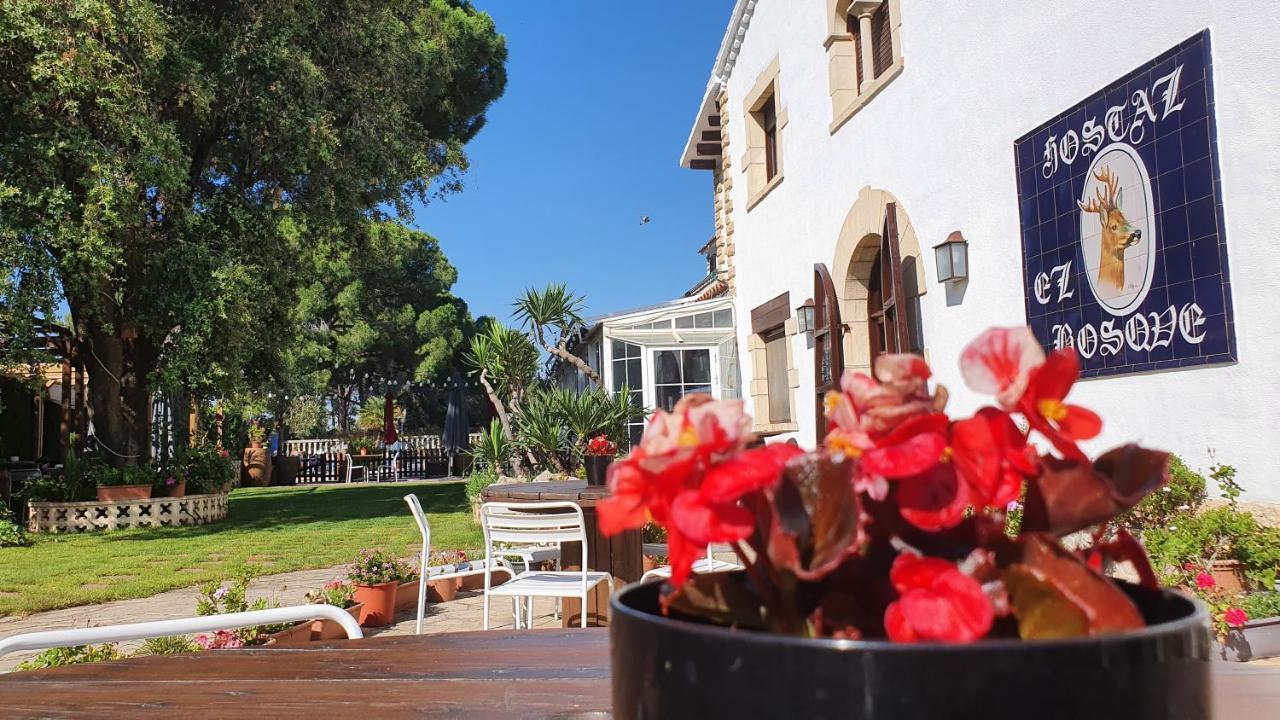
(389,436)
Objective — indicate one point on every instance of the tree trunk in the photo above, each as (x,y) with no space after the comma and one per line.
(577,362)
(118,365)
(504,419)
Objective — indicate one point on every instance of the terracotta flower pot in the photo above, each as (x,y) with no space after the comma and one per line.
(297,636)
(255,444)
(669,667)
(364,451)
(649,563)
(407,595)
(442,590)
(1229,575)
(476,582)
(178,490)
(322,630)
(379,603)
(123,493)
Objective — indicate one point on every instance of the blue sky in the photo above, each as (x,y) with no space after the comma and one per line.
(600,99)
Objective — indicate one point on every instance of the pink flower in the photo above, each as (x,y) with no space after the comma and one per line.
(1204,581)
(1235,617)
(999,362)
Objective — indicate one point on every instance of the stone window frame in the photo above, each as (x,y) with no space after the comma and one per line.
(766,87)
(847,98)
(762,424)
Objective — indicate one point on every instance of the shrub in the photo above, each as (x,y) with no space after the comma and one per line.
(477,482)
(11,533)
(57,657)
(356,444)
(169,645)
(493,451)
(1261,605)
(205,468)
(1221,533)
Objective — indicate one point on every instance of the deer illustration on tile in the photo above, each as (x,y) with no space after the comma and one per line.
(1117,234)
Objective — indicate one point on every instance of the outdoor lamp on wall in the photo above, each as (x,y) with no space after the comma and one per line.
(952,256)
(804,317)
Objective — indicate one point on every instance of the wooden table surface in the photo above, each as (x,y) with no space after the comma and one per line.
(502,674)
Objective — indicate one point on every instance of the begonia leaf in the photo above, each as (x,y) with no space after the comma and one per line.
(818,517)
(1071,495)
(723,598)
(1055,594)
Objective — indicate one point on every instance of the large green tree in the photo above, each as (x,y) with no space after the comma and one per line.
(166,162)
(378,306)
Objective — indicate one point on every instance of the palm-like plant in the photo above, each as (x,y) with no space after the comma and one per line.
(540,429)
(494,449)
(552,314)
(506,363)
(594,412)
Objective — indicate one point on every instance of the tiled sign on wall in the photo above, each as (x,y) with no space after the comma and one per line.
(1123,250)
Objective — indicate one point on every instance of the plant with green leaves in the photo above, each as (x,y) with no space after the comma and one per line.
(506,363)
(11,533)
(167,164)
(358,443)
(220,598)
(168,645)
(1261,605)
(477,482)
(493,450)
(596,411)
(76,655)
(1185,493)
(540,430)
(553,314)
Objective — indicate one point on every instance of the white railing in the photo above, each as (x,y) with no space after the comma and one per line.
(323,446)
(186,626)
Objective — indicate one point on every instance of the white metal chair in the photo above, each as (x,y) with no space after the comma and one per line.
(708,564)
(443,572)
(162,628)
(353,469)
(539,524)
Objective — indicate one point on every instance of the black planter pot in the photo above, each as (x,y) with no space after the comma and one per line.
(597,468)
(663,668)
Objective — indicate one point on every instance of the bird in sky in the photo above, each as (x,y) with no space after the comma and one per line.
(644,219)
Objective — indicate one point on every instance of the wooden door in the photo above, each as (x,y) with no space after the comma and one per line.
(828,343)
(885,300)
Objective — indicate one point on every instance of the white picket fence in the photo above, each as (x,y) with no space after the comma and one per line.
(323,446)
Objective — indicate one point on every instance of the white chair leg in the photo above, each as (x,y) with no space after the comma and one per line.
(528,619)
(486,611)
(422,601)
(582,614)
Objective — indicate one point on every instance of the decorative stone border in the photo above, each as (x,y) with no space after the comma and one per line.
(64,517)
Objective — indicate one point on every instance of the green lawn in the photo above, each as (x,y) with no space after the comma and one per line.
(275,529)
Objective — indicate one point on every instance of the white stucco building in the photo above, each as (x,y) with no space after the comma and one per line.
(832,127)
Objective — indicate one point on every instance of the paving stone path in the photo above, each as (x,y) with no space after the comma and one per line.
(463,613)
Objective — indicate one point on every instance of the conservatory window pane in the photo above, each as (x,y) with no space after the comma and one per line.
(697,367)
(619,348)
(723,318)
(685,322)
(661,324)
(702,320)
(666,367)
(633,373)
(668,395)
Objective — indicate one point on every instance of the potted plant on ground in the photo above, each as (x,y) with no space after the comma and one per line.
(879,580)
(376,576)
(600,452)
(340,594)
(129,483)
(1259,636)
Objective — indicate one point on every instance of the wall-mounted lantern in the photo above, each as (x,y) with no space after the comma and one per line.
(952,256)
(804,317)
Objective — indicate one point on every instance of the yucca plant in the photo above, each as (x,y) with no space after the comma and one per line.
(555,310)
(494,449)
(540,429)
(594,412)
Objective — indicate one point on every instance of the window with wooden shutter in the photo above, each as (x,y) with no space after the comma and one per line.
(881,39)
(769,121)
(775,351)
(856,32)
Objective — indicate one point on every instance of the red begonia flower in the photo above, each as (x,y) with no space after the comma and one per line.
(1236,617)
(1043,405)
(987,460)
(1204,581)
(936,602)
(746,472)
